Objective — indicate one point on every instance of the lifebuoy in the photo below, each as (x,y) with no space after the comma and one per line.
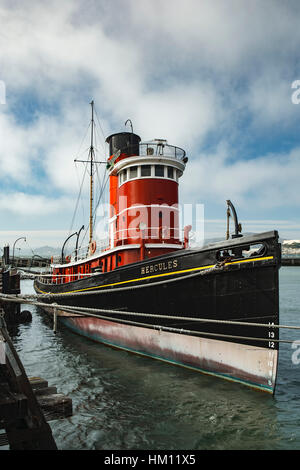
(93,247)
(68,259)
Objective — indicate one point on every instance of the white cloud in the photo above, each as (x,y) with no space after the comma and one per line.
(217,228)
(34,238)
(25,205)
(222,33)
(53,59)
(185,71)
(264,182)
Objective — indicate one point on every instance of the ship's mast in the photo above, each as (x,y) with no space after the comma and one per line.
(92,161)
(91,172)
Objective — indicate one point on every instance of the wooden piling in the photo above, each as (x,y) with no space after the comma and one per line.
(21,409)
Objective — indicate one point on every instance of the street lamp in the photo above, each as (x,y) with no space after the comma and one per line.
(62,250)
(21,238)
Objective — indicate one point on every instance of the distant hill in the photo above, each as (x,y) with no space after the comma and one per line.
(44,251)
(291,243)
(47,251)
(291,247)
(288,247)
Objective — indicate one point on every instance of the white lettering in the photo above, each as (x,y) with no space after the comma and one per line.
(115,460)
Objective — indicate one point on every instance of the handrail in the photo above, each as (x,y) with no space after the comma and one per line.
(161,149)
(155,148)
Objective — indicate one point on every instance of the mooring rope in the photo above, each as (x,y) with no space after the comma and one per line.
(89,311)
(91,291)
(94,312)
(80,311)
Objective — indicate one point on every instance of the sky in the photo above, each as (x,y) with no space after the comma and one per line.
(214,77)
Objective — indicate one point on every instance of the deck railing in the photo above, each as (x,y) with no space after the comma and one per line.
(162,149)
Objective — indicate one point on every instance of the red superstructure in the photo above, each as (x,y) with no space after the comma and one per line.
(144,212)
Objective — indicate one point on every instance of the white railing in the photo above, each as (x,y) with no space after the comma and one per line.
(84,252)
(161,148)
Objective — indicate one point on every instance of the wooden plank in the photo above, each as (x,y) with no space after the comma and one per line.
(37,382)
(26,404)
(40,386)
(38,434)
(55,406)
(45,391)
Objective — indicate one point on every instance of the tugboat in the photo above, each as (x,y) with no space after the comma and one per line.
(212,309)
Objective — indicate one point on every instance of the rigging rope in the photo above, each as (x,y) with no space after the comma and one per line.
(100,128)
(102,186)
(76,207)
(78,199)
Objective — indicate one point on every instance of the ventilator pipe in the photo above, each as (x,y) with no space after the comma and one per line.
(62,250)
(237,226)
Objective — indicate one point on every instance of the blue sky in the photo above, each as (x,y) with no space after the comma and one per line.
(213,77)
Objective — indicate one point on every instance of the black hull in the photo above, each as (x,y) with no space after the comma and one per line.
(195,285)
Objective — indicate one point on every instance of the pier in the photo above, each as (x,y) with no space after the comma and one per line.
(26,404)
(23,261)
(30,261)
(20,414)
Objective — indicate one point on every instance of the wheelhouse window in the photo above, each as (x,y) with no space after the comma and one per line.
(146,170)
(122,177)
(133,172)
(159,170)
(170,172)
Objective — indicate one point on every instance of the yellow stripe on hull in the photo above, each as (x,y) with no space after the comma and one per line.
(199,268)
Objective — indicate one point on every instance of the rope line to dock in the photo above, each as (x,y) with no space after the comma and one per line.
(95,290)
(88,311)
(190,332)
(80,311)
(217,266)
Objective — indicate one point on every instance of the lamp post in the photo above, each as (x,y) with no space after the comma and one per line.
(62,250)
(21,238)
